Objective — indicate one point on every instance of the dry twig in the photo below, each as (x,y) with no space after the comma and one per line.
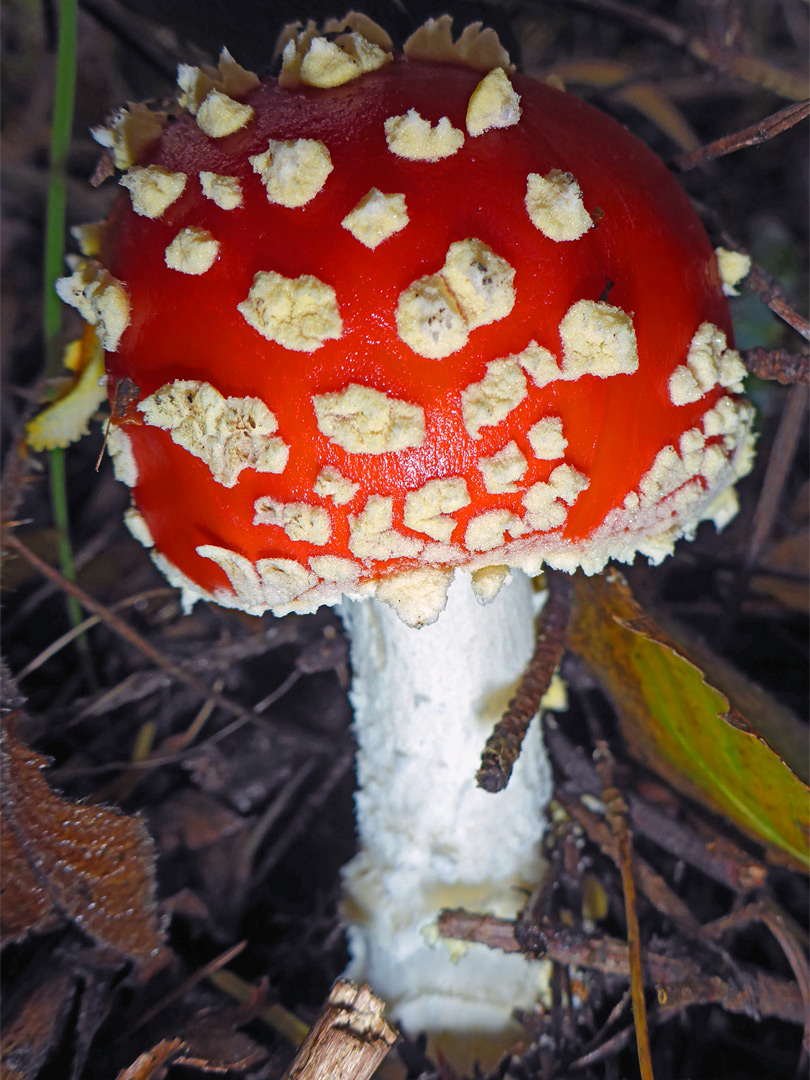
(194,979)
(616,814)
(176,671)
(785,445)
(722,861)
(789,84)
(773,296)
(754,993)
(350,1038)
(767,912)
(750,136)
(779,365)
(649,882)
(503,746)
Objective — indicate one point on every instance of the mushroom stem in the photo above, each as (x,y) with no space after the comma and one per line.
(424,703)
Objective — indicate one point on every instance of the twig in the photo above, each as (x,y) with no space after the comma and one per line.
(616,813)
(304,814)
(770,914)
(754,994)
(778,364)
(598,1048)
(97,544)
(277,808)
(278,693)
(152,1062)
(759,281)
(773,295)
(194,979)
(175,671)
(66,638)
(604,1050)
(788,84)
(503,746)
(723,861)
(159,758)
(760,995)
(349,1039)
(140,684)
(783,451)
(785,445)
(766,129)
(649,882)
(279,1019)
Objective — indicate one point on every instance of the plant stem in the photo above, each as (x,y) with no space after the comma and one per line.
(55,213)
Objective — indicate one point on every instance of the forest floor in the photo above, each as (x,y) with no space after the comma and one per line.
(230,828)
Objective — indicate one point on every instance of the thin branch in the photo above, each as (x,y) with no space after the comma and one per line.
(751,136)
(604,1050)
(654,887)
(616,814)
(788,84)
(778,364)
(175,671)
(678,979)
(87,624)
(768,912)
(773,295)
(725,862)
(349,1039)
(194,979)
(503,746)
(221,657)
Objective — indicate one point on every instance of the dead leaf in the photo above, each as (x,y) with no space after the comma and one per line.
(27,905)
(66,420)
(37,1027)
(213,1043)
(87,863)
(193,819)
(152,1064)
(99,972)
(675,722)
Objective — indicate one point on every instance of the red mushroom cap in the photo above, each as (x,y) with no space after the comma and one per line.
(431,317)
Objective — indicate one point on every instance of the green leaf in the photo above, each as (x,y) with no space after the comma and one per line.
(682,727)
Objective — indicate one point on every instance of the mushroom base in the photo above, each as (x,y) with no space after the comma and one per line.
(425,701)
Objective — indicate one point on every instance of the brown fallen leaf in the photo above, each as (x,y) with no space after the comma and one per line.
(193,820)
(214,1045)
(62,859)
(37,1026)
(152,1064)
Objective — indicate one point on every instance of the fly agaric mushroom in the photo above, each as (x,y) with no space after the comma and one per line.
(401,324)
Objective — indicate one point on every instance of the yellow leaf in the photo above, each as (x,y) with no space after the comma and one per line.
(683,728)
(66,420)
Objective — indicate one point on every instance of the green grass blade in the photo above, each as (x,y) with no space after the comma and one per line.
(55,216)
(64,93)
